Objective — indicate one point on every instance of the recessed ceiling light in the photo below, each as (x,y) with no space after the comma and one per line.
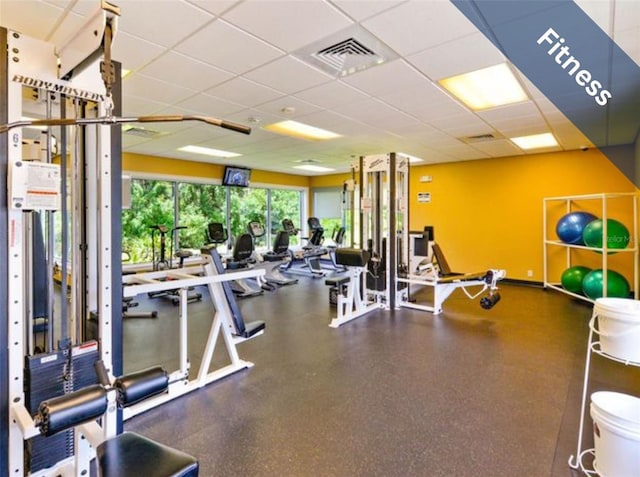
(207,151)
(535,141)
(300,130)
(311,167)
(486,88)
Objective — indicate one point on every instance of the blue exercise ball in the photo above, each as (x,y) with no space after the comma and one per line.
(570,227)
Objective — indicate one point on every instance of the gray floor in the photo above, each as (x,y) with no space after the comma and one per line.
(467,393)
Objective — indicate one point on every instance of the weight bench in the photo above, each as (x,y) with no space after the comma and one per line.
(124,455)
(355,302)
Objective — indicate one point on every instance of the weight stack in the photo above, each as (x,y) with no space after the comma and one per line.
(50,375)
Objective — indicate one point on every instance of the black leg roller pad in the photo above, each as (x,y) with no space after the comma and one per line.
(132,455)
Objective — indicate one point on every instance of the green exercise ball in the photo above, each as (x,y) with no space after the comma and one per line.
(572,277)
(617,234)
(617,285)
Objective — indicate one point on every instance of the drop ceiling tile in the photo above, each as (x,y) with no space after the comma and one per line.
(165,23)
(288,74)
(179,69)
(359,10)
(427,103)
(215,6)
(498,148)
(337,123)
(153,89)
(36,19)
(140,106)
(67,30)
(209,105)
(245,92)
(511,126)
(416,25)
(211,46)
(387,78)
(459,56)
(462,125)
(329,95)
(289,107)
(377,114)
(288,24)
(134,52)
(526,108)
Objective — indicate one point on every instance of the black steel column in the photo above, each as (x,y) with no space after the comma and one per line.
(392,242)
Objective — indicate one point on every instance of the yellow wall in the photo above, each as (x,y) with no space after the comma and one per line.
(488,213)
(331,180)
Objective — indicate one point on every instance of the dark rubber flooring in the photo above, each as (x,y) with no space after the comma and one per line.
(470,392)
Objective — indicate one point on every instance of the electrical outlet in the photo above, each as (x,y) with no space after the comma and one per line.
(529,273)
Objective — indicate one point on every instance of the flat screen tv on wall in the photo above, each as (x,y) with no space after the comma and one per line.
(236,176)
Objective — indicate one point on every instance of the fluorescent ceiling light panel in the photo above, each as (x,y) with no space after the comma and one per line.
(311,167)
(207,151)
(300,130)
(486,88)
(535,141)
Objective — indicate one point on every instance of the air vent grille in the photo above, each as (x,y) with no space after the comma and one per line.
(141,132)
(347,52)
(481,138)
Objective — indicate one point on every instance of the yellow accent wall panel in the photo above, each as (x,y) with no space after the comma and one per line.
(488,213)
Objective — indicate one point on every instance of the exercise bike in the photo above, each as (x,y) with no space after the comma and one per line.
(163,262)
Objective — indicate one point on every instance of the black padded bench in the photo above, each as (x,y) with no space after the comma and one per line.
(128,454)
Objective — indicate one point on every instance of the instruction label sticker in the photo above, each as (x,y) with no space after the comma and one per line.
(424,196)
(35,186)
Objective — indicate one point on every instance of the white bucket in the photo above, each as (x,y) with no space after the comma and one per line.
(616,434)
(618,327)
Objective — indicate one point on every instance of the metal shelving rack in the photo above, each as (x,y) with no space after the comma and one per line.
(577,461)
(631,249)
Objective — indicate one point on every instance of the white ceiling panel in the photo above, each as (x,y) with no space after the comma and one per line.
(229,59)
(155,90)
(387,78)
(140,106)
(288,24)
(245,92)
(359,10)
(289,107)
(187,72)
(497,148)
(288,74)
(416,25)
(205,104)
(526,108)
(329,95)
(378,114)
(161,22)
(211,45)
(216,7)
(134,52)
(459,56)
(33,18)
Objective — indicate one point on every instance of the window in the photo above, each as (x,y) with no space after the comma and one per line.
(247,205)
(152,202)
(194,206)
(198,206)
(285,204)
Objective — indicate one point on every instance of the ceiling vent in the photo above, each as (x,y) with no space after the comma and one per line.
(142,132)
(308,161)
(346,52)
(481,138)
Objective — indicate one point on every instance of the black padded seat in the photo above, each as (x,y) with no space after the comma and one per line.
(132,455)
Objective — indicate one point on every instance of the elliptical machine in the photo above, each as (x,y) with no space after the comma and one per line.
(162,262)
